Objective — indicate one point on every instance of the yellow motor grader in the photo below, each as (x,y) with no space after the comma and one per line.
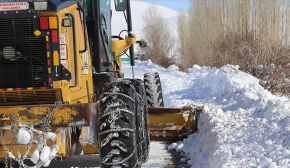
(62,90)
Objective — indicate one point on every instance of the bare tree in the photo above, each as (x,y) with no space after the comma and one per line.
(157,33)
(186,55)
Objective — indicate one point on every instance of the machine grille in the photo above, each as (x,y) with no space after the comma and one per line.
(23,61)
(27,97)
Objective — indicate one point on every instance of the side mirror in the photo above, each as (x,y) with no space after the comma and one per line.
(120,5)
(142,43)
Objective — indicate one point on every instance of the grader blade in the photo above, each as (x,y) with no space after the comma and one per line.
(172,124)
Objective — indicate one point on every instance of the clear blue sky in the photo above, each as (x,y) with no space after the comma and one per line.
(172,4)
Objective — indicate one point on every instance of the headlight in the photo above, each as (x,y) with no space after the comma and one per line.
(66,22)
(8,52)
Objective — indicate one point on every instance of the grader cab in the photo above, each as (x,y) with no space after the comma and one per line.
(62,90)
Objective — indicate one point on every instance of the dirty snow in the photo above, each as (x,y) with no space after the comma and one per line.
(241,125)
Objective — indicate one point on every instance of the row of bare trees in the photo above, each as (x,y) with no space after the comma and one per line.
(251,33)
(211,22)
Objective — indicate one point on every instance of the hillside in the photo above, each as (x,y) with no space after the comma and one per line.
(138,8)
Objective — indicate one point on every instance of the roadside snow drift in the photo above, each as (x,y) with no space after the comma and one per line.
(242,124)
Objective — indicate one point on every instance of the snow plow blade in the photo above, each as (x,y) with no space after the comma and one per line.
(172,124)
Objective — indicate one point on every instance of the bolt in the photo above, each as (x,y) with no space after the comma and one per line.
(3,123)
(3,133)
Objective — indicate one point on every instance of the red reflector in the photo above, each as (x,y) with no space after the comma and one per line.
(47,46)
(43,87)
(18,88)
(48,62)
(49,80)
(43,21)
(54,36)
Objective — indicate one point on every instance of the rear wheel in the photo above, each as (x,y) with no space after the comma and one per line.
(121,128)
(153,89)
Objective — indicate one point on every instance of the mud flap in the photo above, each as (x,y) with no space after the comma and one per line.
(89,134)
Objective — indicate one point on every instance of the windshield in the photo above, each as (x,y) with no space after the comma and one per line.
(87,8)
(105,14)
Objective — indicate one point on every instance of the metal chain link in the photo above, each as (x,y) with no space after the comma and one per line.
(15,129)
(120,94)
(112,112)
(11,163)
(116,130)
(120,162)
(6,161)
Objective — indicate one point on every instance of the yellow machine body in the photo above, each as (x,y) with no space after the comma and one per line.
(33,104)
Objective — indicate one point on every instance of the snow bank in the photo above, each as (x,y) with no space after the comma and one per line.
(242,124)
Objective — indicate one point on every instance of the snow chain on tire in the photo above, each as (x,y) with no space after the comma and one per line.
(153,89)
(123,125)
(142,121)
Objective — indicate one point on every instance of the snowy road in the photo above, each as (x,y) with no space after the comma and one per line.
(159,157)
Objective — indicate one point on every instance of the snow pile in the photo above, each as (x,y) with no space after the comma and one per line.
(242,124)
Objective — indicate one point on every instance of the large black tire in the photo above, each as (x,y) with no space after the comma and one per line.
(143,139)
(121,124)
(153,89)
